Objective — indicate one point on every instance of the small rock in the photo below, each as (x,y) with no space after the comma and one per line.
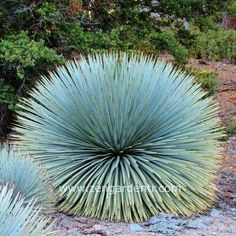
(225,61)
(222,114)
(97,227)
(64,222)
(233,138)
(233,209)
(215,213)
(155,16)
(94,232)
(196,224)
(136,227)
(73,232)
(161,217)
(81,219)
(165,223)
(68,223)
(61,232)
(206,220)
(233,152)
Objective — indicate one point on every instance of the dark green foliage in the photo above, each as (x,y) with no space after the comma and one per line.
(190,8)
(22,60)
(111,14)
(216,45)
(167,41)
(8,96)
(71,37)
(37,35)
(36,17)
(47,11)
(126,38)
(231,8)
(22,55)
(207,23)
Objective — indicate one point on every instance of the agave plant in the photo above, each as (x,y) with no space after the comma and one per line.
(19,219)
(124,137)
(27,177)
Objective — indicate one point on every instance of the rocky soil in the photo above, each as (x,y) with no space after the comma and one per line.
(219,222)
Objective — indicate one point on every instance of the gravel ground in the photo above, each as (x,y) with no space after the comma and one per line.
(216,222)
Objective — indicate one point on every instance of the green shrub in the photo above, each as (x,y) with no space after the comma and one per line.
(231,8)
(185,37)
(8,96)
(47,11)
(208,22)
(125,38)
(230,128)
(71,27)
(114,120)
(166,41)
(216,45)
(207,79)
(28,178)
(18,218)
(21,54)
(73,38)
(21,61)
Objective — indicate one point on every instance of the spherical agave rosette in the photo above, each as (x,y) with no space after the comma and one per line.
(27,177)
(123,120)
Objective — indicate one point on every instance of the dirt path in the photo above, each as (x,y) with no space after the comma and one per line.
(227,90)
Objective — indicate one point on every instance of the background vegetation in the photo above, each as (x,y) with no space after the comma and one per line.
(36,36)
